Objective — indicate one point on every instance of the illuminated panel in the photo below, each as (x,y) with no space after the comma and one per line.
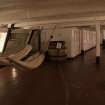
(3,36)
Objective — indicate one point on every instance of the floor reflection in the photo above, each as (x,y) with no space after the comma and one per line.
(14,73)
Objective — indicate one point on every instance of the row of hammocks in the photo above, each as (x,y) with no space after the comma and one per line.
(23,58)
(31,62)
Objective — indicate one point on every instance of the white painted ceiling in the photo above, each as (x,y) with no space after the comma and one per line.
(15,11)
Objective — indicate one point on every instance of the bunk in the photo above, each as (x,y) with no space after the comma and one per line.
(21,54)
(31,63)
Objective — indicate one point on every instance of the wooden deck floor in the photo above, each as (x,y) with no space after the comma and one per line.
(76,82)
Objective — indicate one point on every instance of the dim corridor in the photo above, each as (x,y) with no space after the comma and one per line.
(72,82)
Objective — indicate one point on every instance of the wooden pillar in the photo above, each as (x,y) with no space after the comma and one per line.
(8,35)
(39,41)
(98,32)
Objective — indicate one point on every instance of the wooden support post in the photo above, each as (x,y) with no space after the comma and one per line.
(39,42)
(8,36)
(98,32)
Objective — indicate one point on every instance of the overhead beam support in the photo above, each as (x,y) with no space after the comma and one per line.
(81,21)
